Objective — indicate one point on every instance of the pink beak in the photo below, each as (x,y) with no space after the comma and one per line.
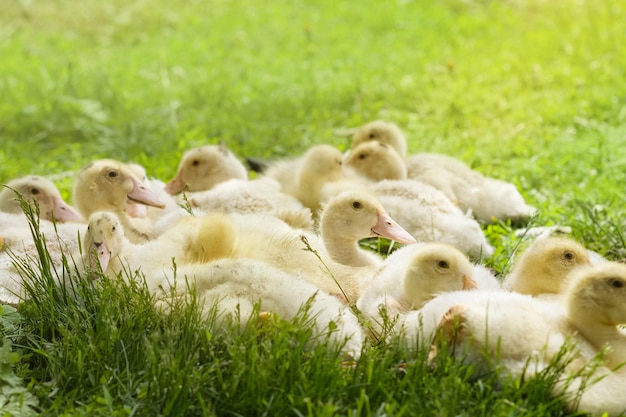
(176,185)
(142,194)
(387,227)
(63,212)
(104,255)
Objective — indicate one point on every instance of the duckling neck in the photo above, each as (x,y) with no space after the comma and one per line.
(136,230)
(347,252)
(600,333)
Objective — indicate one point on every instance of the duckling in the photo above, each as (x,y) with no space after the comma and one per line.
(352,216)
(544,265)
(38,189)
(487,198)
(204,167)
(191,240)
(238,284)
(376,160)
(383,132)
(520,330)
(413,275)
(107,185)
(310,177)
(428,215)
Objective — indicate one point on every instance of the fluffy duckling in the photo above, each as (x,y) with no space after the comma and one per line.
(413,275)
(34,188)
(544,265)
(522,331)
(191,240)
(238,284)
(383,132)
(376,161)
(108,185)
(487,198)
(352,216)
(204,167)
(307,177)
(261,195)
(429,216)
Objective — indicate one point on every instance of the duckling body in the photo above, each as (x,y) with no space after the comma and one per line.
(261,195)
(429,216)
(238,284)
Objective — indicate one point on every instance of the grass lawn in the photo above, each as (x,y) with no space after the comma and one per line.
(529,91)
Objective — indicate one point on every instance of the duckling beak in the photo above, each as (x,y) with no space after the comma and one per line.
(142,194)
(176,185)
(63,212)
(468,283)
(387,227)
(104,255)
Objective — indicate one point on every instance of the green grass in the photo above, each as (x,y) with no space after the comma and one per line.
(527,91)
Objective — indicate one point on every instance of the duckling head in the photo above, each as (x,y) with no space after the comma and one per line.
(357,215)
(384,132)
(108,184)
(436,268)
(37,189)
(598,293)
(544,265)
(377,161)
(204,167)
(103,240)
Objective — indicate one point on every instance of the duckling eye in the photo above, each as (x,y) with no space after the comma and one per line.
(443,264)
(362,156)
(357,205)
(372,135)
(112,174)
(617,283)
(569,256)
(34,191)
(195,162)
(113,229)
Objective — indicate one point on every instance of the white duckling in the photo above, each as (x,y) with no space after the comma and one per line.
(410,277)
(525,333)
(313,178)
(107,185)
(18,243)
(383,132)
(236,285)
(544,265)
(191,240)
(204,167)
(376,161)
(352,216)
(487,198)
(430,216)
